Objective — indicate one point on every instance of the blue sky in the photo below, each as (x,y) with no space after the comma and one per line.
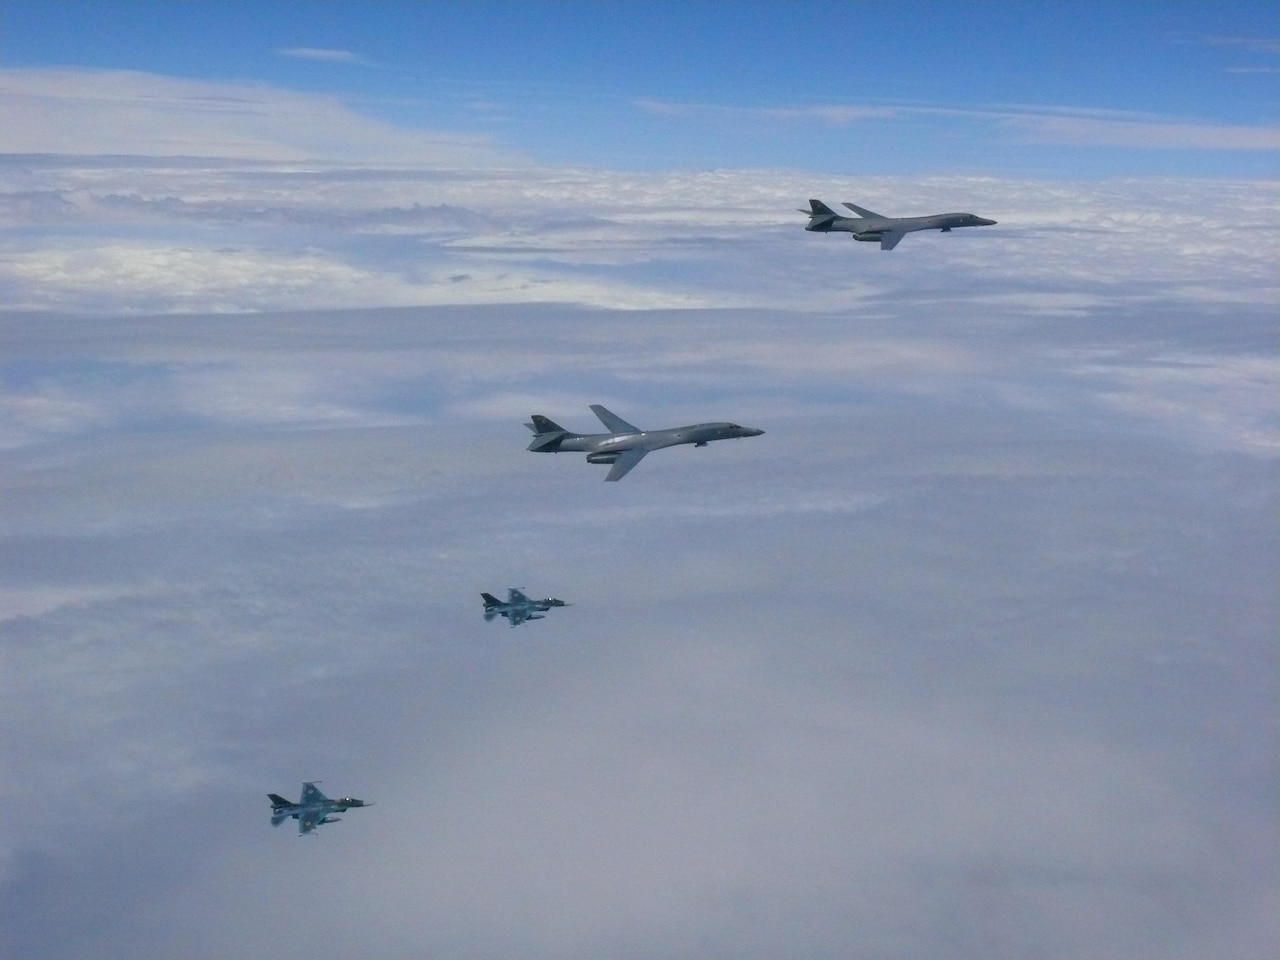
(662,85)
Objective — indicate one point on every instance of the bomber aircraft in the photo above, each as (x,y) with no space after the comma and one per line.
(869,226)
(625,445)
(518,607)
(311,810)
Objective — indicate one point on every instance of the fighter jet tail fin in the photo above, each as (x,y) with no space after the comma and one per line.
(279,801)
(489,599)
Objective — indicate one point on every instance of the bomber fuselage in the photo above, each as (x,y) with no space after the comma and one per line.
(698,433)
(873,227)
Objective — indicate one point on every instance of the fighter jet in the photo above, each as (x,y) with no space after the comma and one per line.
(625,445)
(312,809)
(870,226)
(518,607)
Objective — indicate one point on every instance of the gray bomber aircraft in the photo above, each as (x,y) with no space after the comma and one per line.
(625,445)
(312,809)
(871,226)
(518,607)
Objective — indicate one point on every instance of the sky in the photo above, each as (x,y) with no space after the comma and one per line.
(970,655)
(1037,89)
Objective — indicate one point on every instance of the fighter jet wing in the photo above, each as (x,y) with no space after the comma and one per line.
(311,794)
(626,460)
(308,822)
(889,239)
(613,423)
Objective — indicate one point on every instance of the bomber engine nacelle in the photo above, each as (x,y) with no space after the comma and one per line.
(868,237)
(607,457)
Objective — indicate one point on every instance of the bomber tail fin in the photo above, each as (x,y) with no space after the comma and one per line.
(820,216)
(542,424)
(547,434)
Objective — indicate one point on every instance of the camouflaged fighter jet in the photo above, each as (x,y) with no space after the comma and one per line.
(311,810)
(625,445)
(869,226)
(518,607)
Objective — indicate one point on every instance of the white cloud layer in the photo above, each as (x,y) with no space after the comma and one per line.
(959,652)
(104,237)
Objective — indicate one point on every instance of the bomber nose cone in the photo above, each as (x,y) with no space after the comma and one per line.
(983,222)
(752,432)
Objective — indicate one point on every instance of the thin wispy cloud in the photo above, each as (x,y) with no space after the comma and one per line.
(837,114)
(1073,126)
(1255,44)
(71,111)
(1166,134)
(322,55)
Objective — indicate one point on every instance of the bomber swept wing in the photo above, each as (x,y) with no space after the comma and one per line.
(626,460)
(864,212)
(612,422)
